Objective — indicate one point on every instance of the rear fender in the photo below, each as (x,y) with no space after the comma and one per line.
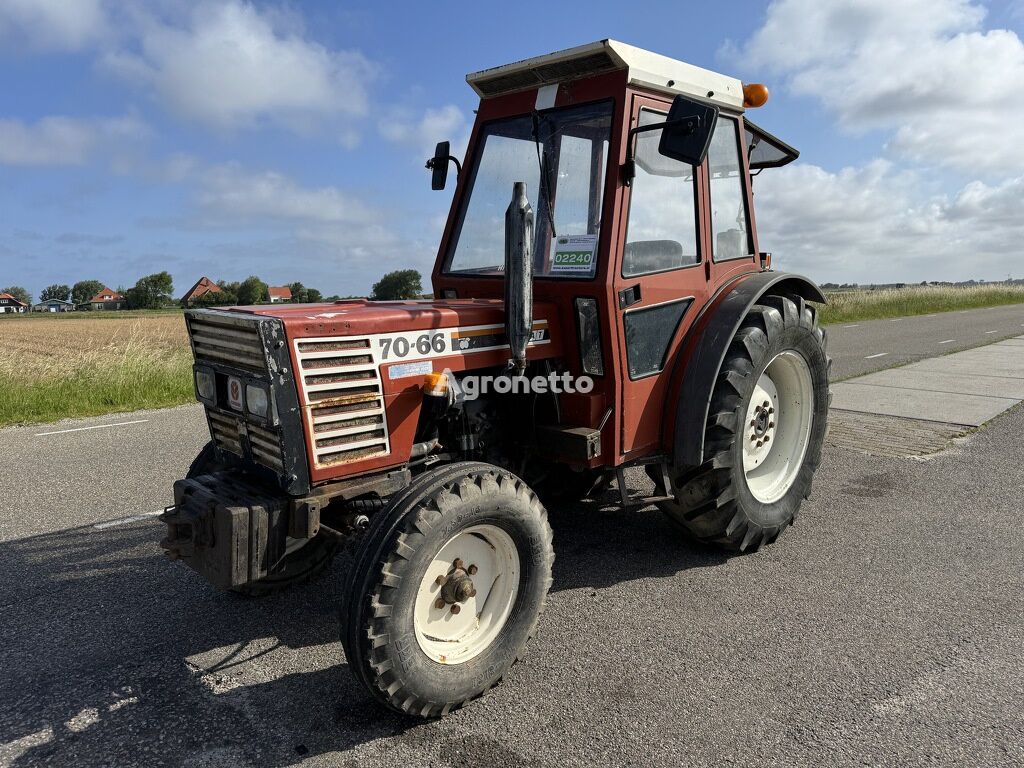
(700,358)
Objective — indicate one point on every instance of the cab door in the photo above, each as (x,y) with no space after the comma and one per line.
(661,278)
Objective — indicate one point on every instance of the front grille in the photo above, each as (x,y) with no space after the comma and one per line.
(345,415)
(232,344)
(227,342)
(264,445)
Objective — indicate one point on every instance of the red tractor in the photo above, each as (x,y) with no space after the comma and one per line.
(599,303)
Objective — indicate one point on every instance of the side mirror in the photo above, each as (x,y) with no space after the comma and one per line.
(439,165)
(686,135)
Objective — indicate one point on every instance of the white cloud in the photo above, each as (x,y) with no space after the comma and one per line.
(234,193)
(63,25)
(870,225)
(923,70)
(422,132)
(227,65)
(56,141)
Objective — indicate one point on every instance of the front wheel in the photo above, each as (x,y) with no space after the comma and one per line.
(765,430)
(447,588)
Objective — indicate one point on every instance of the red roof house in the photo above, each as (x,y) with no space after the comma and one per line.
(279,294)
(204,286)
(108,299)
(10,304)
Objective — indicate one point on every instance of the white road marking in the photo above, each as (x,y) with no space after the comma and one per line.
(991,331)
(98,426)
(895,319)
(880,354)
(947,341)
(851,326)
(127,520)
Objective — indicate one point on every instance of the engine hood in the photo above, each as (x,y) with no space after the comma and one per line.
(360,316)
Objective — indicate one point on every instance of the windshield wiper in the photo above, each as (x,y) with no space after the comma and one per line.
(544,167)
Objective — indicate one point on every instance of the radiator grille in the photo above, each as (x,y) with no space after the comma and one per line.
(341,382)
(264,445)
(218,340)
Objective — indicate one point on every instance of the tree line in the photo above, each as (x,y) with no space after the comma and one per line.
(156,291)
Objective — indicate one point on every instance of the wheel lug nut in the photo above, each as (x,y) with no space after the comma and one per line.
(753,438)
(472,570)
(771,424)
(766,403)
(771,411)
(456,608)
(753,422)
(440,580)
(458,563)
(767,438)
(758,443)
(473,593)
(439,603)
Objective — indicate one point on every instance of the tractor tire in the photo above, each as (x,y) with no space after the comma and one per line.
(296,567)
(424,648)
(756,474)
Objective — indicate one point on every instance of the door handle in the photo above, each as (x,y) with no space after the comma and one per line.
(629,296)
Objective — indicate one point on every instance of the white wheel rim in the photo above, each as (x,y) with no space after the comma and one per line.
(455,637)
(777,428)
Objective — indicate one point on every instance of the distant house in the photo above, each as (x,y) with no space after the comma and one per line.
(54,305)
(279,294)
(204,286)
(107,300)
(9,304)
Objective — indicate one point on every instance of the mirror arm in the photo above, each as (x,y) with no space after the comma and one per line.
(629,168)
(458,166)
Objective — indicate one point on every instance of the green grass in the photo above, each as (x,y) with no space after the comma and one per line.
(851,306)
(96,390)
(90,365)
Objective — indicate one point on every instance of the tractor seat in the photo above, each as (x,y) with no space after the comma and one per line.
(643,256)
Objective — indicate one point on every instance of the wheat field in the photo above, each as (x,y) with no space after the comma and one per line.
(848,306)
(59,366)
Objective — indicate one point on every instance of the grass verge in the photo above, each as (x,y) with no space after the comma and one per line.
(850,306)
(96,391)
(88,366)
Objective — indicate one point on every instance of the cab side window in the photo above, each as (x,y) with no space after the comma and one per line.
(730,222)
(661,233)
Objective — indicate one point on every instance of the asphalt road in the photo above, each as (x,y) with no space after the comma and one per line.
(886,627)
(872,345)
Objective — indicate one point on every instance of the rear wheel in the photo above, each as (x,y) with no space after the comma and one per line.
(766,425)
(447,588)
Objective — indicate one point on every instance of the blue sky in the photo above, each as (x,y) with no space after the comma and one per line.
(287,139)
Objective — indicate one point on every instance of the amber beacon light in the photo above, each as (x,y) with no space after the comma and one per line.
(754,95)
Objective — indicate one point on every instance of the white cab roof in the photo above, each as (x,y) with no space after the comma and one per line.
(646,69)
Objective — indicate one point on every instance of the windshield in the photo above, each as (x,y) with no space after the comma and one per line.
(561,155)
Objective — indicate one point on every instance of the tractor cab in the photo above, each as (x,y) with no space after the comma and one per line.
(637,167)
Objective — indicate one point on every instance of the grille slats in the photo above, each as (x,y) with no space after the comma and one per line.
(341,381)
(235,342)
(221,341)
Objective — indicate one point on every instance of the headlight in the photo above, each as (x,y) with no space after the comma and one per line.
(206,385)
(256,400)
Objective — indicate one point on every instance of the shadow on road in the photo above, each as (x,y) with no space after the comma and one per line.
(116,656)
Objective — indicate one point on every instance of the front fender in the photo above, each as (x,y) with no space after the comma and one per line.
(701,355)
